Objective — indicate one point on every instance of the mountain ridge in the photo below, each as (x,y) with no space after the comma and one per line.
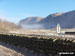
(66,20)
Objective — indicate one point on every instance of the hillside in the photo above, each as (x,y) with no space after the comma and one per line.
(30,23)
(6,26)
(30,20)
(66,20)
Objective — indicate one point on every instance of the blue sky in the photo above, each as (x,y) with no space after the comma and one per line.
(15,10)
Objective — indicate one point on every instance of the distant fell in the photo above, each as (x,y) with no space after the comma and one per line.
(66,20)
(30,20)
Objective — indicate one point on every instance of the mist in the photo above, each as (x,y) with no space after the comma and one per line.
(33,26)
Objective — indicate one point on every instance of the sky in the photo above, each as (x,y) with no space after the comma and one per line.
(16,10)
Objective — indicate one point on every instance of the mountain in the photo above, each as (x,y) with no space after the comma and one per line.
(30,23)
(30,20)
(66,20)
